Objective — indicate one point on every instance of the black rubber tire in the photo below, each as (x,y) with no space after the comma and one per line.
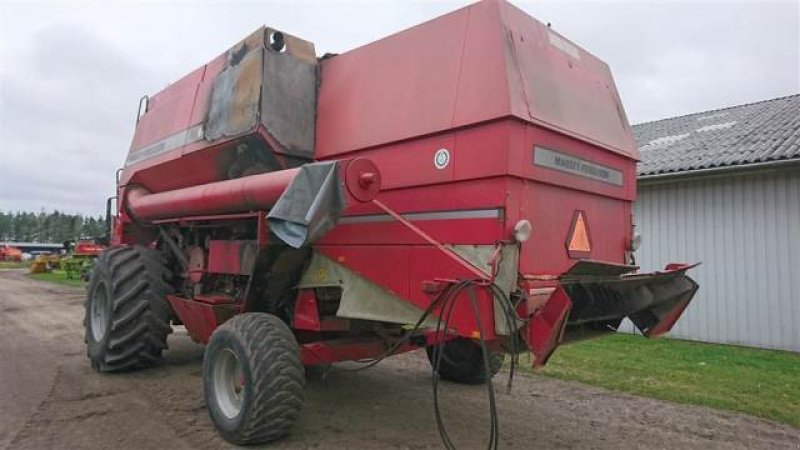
(133,331)
(273,377)
(462,361)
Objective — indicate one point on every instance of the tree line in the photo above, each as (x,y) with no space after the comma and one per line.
(52,227)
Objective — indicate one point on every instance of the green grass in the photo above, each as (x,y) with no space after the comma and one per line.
(57,276)
(762,383)
(14,264)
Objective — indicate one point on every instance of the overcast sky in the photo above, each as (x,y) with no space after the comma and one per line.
(71,73)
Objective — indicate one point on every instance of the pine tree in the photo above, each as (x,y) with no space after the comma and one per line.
(53,227)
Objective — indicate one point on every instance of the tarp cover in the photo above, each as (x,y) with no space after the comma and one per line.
(310,206)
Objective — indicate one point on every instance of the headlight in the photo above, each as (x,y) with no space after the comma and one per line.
(636,241)
(522,231)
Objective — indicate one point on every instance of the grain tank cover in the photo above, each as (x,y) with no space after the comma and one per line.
(270,78)
(483,62)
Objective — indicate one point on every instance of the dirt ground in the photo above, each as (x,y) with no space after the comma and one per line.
(51,398)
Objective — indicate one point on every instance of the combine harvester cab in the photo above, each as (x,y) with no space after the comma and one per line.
(463,186)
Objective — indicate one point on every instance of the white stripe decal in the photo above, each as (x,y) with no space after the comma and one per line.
(495,213)
(179,139)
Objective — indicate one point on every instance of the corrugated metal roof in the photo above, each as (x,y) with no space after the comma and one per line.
(740,135)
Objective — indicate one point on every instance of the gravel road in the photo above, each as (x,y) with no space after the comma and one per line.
(51,398)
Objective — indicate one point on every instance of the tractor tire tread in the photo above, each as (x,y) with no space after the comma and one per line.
(140,315)
(277,376)
(470,368)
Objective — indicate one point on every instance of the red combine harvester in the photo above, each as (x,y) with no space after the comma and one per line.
(463,186)
(87,248)
(10,253)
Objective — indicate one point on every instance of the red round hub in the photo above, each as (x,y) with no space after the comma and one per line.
(363,179)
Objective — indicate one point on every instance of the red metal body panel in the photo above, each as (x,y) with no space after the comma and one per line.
(88,248)
(551,209)
(546,327)
(564,87)
(673,315)
(505,179)
(170,109)
(326,352)
(181,167)
(306,315)
(405,270)
(306,312)
(201,318)
(230,257)
(490,60)
(201,99)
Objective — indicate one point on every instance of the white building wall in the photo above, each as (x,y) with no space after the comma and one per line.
(745,229)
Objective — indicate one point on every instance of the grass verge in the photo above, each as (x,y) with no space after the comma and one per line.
(58,277)
(14,264)
(761,383)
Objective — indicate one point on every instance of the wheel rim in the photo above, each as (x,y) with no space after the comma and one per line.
(99,312)
(229,383)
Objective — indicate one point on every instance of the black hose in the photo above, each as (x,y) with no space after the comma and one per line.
(447,300)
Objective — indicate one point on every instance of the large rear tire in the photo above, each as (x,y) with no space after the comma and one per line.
(462,361)
(253,379)
(127,314)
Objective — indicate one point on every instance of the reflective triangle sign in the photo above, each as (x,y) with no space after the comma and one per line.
(579,242)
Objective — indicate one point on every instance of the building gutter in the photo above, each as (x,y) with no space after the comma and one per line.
(714,172)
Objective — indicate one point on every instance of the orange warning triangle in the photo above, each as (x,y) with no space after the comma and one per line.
(580,237)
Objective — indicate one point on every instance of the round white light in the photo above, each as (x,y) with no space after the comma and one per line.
(636,241)
(522,230)
(441,158)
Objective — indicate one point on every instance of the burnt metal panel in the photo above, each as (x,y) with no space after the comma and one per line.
(234,105)
(271,79)
(289,102)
